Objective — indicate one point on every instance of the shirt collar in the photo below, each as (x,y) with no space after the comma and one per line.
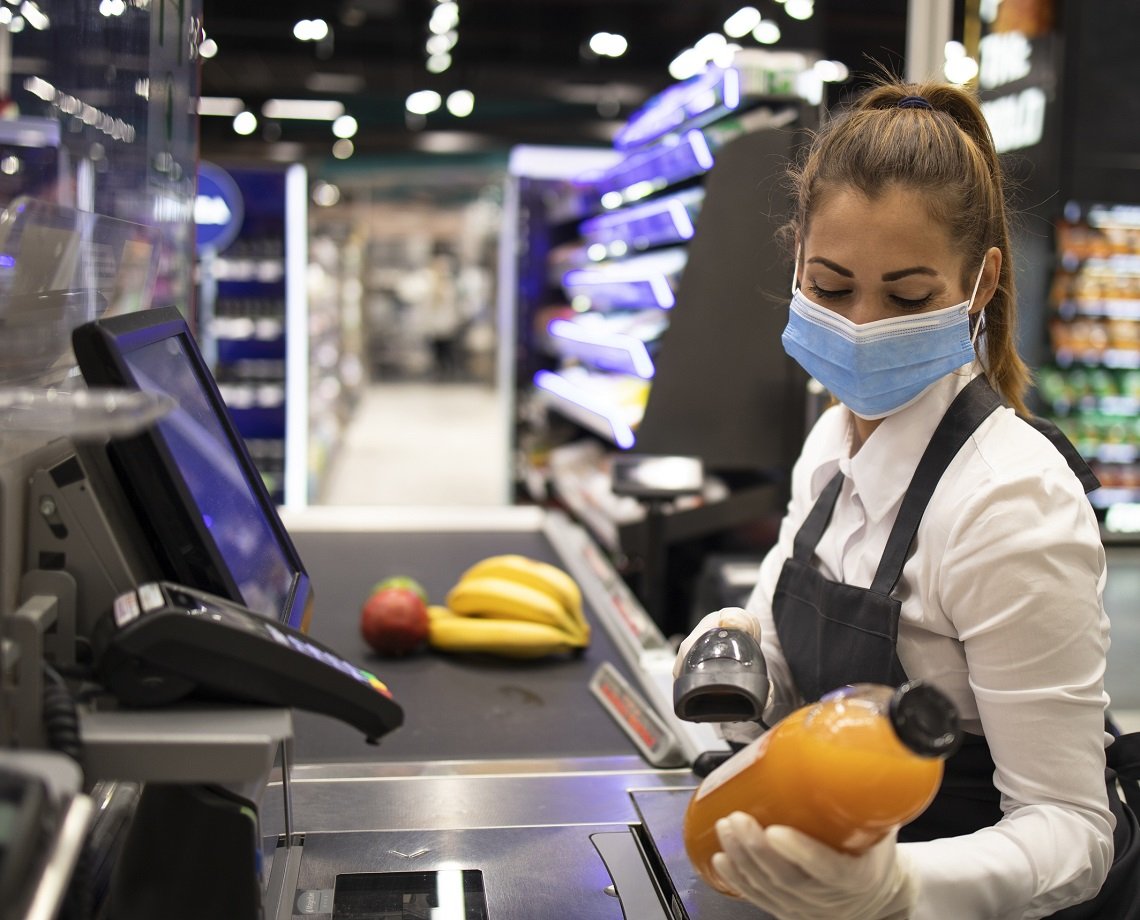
(881,471)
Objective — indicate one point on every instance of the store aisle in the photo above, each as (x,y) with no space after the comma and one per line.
(422,444)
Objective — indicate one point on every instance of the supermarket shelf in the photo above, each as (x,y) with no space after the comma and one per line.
(1117,358)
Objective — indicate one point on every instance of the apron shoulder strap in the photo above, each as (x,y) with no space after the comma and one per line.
(811,530)
(970,408)
(1076,462)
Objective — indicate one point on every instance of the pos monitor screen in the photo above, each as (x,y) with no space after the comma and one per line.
(198,496)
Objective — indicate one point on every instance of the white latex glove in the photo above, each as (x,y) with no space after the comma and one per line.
(728,617)
(795,877)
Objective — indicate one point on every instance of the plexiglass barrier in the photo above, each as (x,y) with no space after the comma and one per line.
(59,268)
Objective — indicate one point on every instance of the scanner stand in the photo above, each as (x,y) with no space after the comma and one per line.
(193,847)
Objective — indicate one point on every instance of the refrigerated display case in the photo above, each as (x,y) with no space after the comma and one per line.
(636,287)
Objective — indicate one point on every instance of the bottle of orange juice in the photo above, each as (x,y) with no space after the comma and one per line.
(845,770)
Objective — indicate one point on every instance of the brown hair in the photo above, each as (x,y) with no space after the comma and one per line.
(945,151)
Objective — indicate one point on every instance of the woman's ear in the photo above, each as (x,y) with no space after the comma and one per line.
(987,286)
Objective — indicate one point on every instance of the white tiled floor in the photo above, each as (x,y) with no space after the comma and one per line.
(422,444)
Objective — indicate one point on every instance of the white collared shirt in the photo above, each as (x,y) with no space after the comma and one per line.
(1001,610)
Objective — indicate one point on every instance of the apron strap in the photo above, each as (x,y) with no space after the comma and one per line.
(811,531)
(1065,447)
(972,406)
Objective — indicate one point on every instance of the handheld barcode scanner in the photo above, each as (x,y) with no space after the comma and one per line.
(723,679)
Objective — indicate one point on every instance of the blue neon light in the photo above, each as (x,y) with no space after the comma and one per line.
(631,348)
(562,388)
(696,100)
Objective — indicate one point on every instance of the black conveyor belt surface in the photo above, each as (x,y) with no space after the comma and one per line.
(455,707)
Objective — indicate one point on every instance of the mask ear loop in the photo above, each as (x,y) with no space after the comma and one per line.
(980,321)
(796,269)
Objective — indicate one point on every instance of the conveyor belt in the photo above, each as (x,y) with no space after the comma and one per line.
(456,707)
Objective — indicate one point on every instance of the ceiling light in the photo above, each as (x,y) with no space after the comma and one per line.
(743,21)
(343,149)
(461,103)
(304,109)
(448,142)
(444,17)
(960,69)
(831,71)
(325,194)
(799,9)
(438,63)
(708,46)
(441,44)
(423,102)
(608,44)
(220,105)
(345,126)
(310,30)
(767,33)
(208,48)
(688,63)
(723,57)
(245,123)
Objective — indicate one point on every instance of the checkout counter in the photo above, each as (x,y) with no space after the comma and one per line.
(510,781)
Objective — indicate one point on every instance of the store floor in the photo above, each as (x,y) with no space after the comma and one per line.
(422,444)
(445,444)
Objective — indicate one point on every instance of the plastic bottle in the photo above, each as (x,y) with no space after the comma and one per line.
(845,770)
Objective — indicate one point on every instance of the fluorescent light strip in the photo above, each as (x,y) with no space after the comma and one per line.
(562,388)
(303,109)
(227,106)
(681,219)
(661,291)
(658,283)
(700,146)
(630,216)
(631,345)
(730,88)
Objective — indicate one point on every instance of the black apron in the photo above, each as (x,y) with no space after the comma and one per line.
(834,634)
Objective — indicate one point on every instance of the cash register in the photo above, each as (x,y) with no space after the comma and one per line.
(227,615)
(191,608)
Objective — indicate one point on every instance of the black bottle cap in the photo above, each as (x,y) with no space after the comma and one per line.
(925,720)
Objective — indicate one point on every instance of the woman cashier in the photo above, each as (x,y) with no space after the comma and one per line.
(934,533)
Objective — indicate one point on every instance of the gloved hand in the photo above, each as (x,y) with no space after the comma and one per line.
(729,617)
(795,877)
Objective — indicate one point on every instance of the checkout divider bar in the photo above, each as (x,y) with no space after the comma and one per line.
(638,639)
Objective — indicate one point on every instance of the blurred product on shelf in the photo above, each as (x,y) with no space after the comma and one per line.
(1091,388)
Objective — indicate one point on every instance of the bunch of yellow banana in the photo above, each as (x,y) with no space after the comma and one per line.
(511,605)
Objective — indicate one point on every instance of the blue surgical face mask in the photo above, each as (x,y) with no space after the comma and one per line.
(878,368)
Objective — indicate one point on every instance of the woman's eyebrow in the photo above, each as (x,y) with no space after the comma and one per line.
(838,269)
(887,276)
(903,272)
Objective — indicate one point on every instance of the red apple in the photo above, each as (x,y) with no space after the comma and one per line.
(394,621)
(401,581)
